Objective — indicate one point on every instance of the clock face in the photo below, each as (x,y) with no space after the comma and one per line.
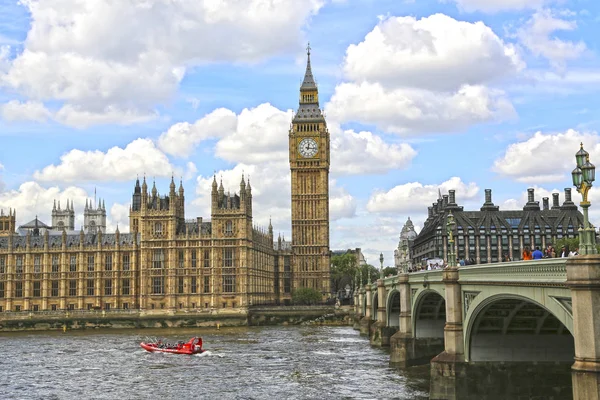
(308,148)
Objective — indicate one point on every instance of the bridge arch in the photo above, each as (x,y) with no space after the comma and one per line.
(509,326)
(429,314)
(374,307)
(392,308)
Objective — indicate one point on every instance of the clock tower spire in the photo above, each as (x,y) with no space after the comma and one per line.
(309,144)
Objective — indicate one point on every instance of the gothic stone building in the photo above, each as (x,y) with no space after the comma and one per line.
(167,263)
(487,234)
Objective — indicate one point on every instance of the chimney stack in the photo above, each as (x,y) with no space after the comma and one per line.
(530,195)
(452,198)
(546,203)
(555,201)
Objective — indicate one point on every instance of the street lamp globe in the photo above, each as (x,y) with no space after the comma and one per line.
(583,178)
(381,265)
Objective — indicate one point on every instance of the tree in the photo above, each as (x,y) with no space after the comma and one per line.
(306,296)
(390,271)
(343,270)
(365,269)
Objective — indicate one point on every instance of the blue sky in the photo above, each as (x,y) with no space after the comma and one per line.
(420,97)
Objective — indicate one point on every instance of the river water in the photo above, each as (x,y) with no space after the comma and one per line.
(299,362)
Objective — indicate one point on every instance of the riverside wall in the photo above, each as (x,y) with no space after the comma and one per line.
(284,315)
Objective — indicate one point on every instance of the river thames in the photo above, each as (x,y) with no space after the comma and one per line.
(296,362)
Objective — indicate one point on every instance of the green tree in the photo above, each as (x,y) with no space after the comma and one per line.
(365,269)
(390,271)
(343,270)
(306,296)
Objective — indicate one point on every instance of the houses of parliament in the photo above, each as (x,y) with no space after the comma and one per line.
(168,263)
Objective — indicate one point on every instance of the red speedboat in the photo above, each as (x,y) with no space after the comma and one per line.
(193,346)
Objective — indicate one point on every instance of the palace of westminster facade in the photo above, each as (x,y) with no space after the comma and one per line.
(167,263)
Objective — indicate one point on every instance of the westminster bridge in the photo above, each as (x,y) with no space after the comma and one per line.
(534,321)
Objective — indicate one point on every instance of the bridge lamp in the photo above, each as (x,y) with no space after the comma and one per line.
(450,224)
(404,257)
(381,265)
(583,177)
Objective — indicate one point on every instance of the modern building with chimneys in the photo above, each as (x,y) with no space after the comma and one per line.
(487,234)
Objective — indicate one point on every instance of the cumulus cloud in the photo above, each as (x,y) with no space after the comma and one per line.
(429,75)
(492,6)
(341,203)
(409,111)
(116,164)
(122,58)
(16,110)
(182,138)
(31,199)
(360,153)
(434,53)
(528,161)
(537,36)
(119,217)
(411,197)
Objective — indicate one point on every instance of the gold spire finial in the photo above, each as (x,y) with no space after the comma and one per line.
(308,49)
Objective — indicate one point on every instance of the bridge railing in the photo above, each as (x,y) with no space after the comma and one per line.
(547,270)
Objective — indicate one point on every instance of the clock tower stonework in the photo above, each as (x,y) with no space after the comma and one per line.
(309,163)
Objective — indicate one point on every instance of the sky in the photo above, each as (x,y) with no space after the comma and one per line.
(420,97)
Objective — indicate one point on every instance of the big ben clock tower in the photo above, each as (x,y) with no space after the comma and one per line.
(309,164)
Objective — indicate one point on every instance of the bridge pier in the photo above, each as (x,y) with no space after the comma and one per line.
(583,278)
(448,369)
(358,306)
(380,332)
(365,322)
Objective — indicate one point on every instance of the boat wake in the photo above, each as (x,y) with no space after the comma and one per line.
(208,353)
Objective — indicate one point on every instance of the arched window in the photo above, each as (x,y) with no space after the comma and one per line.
(92,228)
(158,228)
(229,228)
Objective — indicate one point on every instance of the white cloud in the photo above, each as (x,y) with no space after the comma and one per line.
(16,110)
(492,6)
(139,156)
(182,138)
(119,217)
(536,35)
(261,135)
(412,196)
(341,203)
(78,117)
(430,75)
(412,111)
(528,161)
(365,153)
(31,199)
(434,53)
(123,57)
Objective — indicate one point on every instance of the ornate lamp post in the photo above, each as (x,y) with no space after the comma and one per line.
(583,177)
(381,265)
(404,257)
(450,229)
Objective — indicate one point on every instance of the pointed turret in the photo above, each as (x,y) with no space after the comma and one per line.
(249,188)
(243,189)
(144,186)
(181,187)
(154,191)
(309,110)
(270,228)
(54,206)
(86,204)
(309,81)
(172,187)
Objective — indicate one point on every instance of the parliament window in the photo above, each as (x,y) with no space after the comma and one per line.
(180,285)
(108,266)
(55,266)
(181,258)
(125,287)
(193,256)
(54,291)
(158,228)
(73,263)
(72,287)
(228,270)
(158,258)
(90,287)
(37,289)
(90,263)
(2,264)
(108,287)
(158,285)
(19,289)
(19,265)
(1,290)
(194,285)
(207,284)
(37,264)
(206,258)
(126,265)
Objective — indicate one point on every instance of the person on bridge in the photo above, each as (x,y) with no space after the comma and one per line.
(537,254)
(527,253)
